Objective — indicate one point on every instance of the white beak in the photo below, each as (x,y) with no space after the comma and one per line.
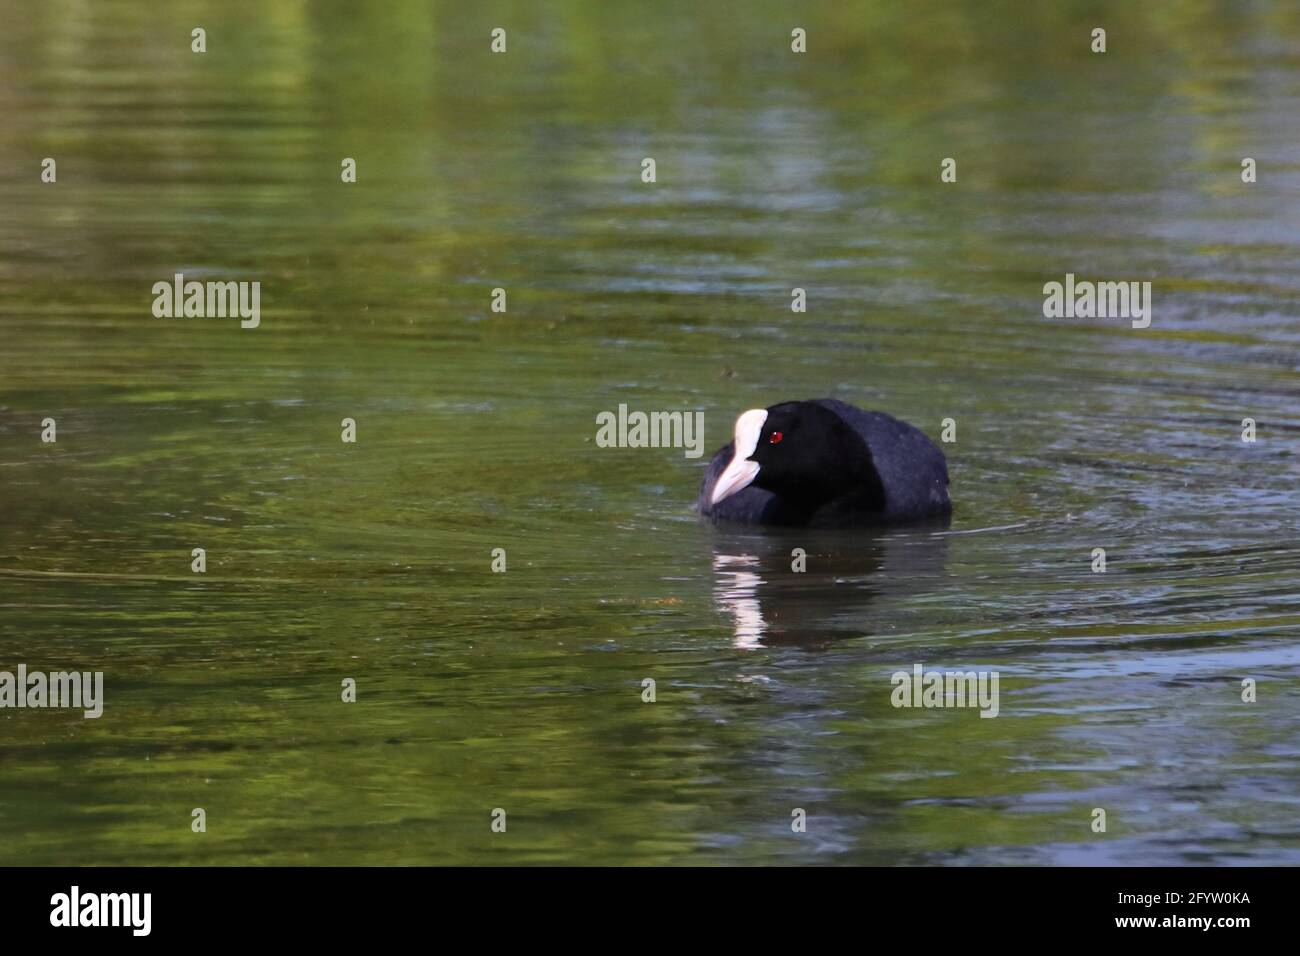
(740,472)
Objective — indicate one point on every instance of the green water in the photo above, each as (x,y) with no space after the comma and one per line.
(475,430)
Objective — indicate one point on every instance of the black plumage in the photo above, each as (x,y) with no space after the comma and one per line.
(826,463)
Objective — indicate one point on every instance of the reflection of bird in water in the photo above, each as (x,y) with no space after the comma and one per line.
(845,575)
(736,590)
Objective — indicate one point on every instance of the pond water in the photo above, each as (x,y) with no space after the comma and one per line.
(476,431)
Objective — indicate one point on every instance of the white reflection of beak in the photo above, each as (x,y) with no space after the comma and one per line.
(740,472)
(737,591)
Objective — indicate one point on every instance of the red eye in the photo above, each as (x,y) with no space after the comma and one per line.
(775,439)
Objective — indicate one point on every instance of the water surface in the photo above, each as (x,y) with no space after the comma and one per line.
(523,690)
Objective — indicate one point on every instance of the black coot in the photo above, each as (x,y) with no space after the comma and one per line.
(827,464)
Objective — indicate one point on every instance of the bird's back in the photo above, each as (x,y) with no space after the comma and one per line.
(912,469)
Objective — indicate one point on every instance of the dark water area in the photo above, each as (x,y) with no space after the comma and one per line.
(475,431)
